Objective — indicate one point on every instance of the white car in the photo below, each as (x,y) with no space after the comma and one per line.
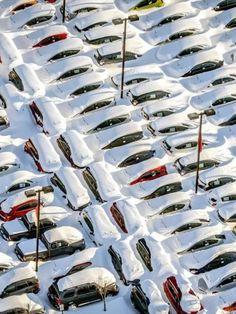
(71,188)
(9,162)
(222,194)
(165,205)
(8,51)
(227,213)
(87,102)
(224,116)
(173,31)
(224,19)
(47,116)
(74,149)
(33,16)
(98,226)
(6,262)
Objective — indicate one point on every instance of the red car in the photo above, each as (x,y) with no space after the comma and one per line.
(50,39)
(18,210)
(183,300)
(119,218)
(151,174)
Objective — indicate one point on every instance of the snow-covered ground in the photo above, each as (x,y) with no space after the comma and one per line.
(137,157)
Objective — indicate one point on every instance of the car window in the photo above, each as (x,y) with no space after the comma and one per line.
(172,208)
(136,158)
(224,100)
(129,138)
(16,80)
(135,81)
(85,89)
(72,73)
(223,80)
(64,54)
(30,205)
(109,123)
(190,51)
(69,294)
(2,102)
(18,186)
(88,222)
(38,20)
(171,18)
(56,181)
(229,280)
(103,40)
(96,106)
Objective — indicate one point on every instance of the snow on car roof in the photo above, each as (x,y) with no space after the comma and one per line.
(95,17)
(118,154)
(27,247)
(201,258)
(80,153)
(159,34)
(144,188)
(98,275)
(156,205)
(134,222)
(14,227)
(106,137)
(73,6)
(24,301)
(76,192)
(7,158)
(131,266)
(222,171)
(30,81)
(49,158)
(6,260)
(167,225)
(53,213)
(170,50)
(225,190)
(53,121)
(205,100)
(66,233)
(228,210)
(175,104)
(15,274)
(183,241)
(89,122)
(107,186)
(20,197)
(52,71)
(73,107)
(66,88)
(11,95)
(226,298)
(157,304)
(153,18)
(104,229)
(8,51)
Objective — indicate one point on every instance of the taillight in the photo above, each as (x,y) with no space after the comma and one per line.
(230,308)
(58,301)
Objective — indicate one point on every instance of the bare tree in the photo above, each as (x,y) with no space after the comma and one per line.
(103,288)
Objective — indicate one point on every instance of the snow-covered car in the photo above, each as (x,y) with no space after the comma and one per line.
(209,259)
(18,181)
(179,222)
(75,149)
(41,149)
(227,213)
(71,188)
(127,266)
(108,33)
(57,72)
(167,14)
(222,195)
(210,157)
(8,52)
(103,119)
(18,280)
(146,298)
(203,61)
(127,5)
(88,102)
(173,31)
(138,74)
(47,116)
(25,80)
(36,15)
(62,49)
(224,116)
(224,19)
(112,53)
(219,279)
(96,19)
(19,204)
(9,94)
(9,163)
(117,136)
(219,176)
(165,205)
(9,7)
(78,85)
(181,296)
(73,8)
(170,183)
(171,124)
(130,154)
(54,242)
(6,262)
(4,122)
(100,182)
(25,227)
(147,170)
(90,279)
(22,303)
(98,226)
(223,5)
(127,217)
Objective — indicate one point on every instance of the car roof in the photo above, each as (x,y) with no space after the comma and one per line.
(24,301)
(53,213)
(227,210)
(66,233)
(222,171)
(8,158)
(9,52)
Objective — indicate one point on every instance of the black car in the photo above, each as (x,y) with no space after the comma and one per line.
(117,263)
(81,288)
(145,253)
(225,5)
(24,228)
(139,299)
(204,67)
(219,261)
(92,183)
